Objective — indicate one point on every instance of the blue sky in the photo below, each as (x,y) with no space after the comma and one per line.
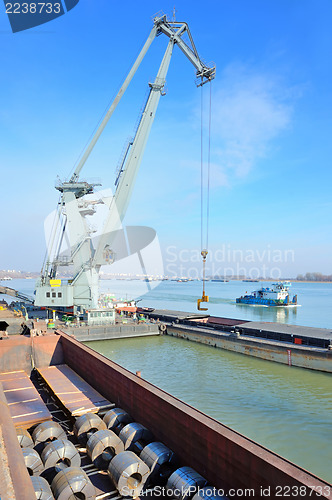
(271,145)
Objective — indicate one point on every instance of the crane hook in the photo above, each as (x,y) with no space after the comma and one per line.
(205,298)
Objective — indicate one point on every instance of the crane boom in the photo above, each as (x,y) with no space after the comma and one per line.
(172,30)
(114,104)
(176,31)
(125,187)
(126,184)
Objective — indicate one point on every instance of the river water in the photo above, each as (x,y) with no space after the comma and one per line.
(314,299)
(287,409)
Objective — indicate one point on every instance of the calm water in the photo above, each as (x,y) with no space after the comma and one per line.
(286,409)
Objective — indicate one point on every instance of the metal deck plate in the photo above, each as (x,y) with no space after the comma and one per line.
(74,393)
(25,404)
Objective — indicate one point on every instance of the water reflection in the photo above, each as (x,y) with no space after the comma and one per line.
(266,313)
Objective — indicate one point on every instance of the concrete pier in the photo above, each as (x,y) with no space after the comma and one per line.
(111,332)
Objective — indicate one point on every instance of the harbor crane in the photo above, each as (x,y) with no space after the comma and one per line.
(82,290)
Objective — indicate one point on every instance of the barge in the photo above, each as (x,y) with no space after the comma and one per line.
(294,345)
(68,381)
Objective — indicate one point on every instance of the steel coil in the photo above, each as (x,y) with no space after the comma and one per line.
(128,473)
(60,454)
(32,461)
(116,419)
(135,436)
(160,460)
(102,446)
(73,483)
(24,438)
(208,493)
(184,483)
(86,425)
(48,431)
(42,488)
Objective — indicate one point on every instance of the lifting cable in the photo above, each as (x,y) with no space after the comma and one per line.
(205,227)
(51,240)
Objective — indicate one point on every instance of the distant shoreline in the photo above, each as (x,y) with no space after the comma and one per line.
(268,280)
(296,281)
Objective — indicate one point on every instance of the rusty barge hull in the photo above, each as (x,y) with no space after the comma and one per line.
(289,354)
(224,457)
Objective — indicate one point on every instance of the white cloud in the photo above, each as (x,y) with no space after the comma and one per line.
(250,110)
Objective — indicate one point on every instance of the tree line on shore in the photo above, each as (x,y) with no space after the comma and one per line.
(314,277)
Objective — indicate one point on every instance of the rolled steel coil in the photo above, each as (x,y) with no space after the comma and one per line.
(73,483)
(128,473)
(209,493)
(32,461)
(135,436)
(160,460)
(24,438)
(48,431)
(102,446)
(116,419)
(42,488)
(86,425)
(60,454)
(184,483)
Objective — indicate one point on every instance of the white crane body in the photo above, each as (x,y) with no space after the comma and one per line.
(81,291)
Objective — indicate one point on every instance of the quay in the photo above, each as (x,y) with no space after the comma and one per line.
(117,331)
(123,328)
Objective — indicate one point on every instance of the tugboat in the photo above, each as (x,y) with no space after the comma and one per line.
(276,295)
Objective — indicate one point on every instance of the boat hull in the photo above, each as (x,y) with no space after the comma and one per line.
(263,302)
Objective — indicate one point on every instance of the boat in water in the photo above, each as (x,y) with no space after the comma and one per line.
(276,295)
